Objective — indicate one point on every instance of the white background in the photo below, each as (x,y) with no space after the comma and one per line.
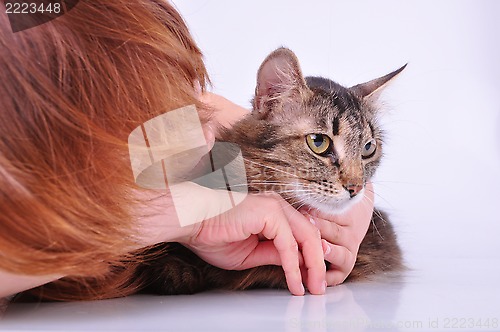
(439,180)
(440,175)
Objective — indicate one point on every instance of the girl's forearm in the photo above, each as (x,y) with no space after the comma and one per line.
(11,284)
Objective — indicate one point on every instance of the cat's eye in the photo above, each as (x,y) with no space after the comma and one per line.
(319,143)
(369,149)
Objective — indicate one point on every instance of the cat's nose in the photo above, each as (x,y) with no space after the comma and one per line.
(353,189)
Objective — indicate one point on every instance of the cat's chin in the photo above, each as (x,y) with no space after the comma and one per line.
(332,206)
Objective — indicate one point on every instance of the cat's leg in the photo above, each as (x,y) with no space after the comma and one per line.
(258,277)
(172,269)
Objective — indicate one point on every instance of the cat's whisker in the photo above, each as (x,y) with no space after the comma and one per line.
(369,202)
(396,182)
(300,204)
(258,183)
(301,193)
(376,229)
(381,197)
(302,201)
(273,168)
(292,191)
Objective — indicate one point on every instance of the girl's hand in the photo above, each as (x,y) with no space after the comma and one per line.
(231,241)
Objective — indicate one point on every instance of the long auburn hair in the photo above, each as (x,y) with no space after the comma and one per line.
(71,91)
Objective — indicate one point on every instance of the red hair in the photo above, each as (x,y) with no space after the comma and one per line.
(71,91)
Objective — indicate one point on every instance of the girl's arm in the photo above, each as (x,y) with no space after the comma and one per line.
(11,284)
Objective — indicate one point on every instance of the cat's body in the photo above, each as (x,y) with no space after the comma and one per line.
(314,142)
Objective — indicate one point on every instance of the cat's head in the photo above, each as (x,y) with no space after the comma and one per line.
(326,142)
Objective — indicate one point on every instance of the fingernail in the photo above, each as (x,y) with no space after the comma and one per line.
(326,247)
(303,289)
(323,287)
(311,220)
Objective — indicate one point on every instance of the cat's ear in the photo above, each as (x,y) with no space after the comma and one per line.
(279,78)
(372,89)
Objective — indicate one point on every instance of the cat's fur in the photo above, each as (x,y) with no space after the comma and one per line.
(287,108)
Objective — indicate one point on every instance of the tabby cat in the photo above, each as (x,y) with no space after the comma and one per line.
(316,143)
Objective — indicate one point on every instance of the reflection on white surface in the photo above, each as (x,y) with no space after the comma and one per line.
(437,295)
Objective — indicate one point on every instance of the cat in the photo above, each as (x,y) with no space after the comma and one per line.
(314,142)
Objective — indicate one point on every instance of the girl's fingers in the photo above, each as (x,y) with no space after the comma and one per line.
(264,253)
(288,251)
(276,227)
(335,277)
(342,261)
(333,233)
(309,239)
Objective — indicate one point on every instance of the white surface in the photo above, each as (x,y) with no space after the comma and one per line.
(439,180)
(437,296)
